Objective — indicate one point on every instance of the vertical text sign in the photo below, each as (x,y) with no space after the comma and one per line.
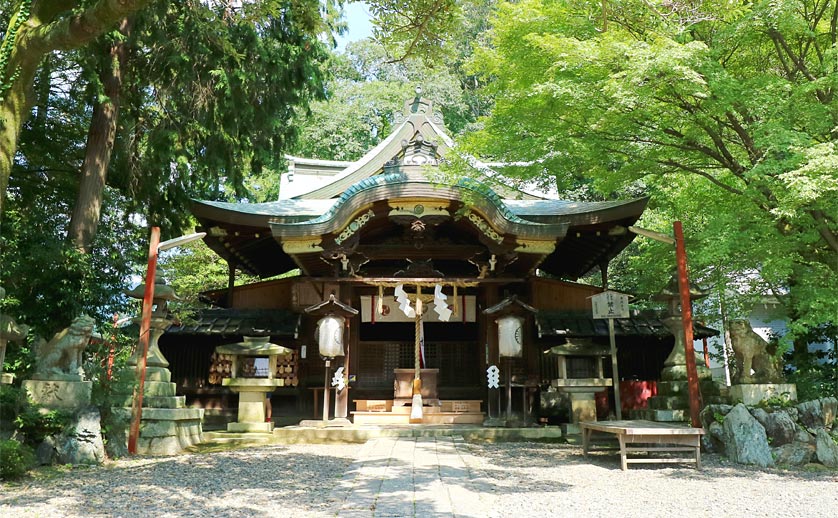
(610,304)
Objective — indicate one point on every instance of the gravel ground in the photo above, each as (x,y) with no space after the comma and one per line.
(524,480)
(548,480)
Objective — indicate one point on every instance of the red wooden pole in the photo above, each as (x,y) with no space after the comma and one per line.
(112,348)
(687,320)
(145,332)
(706,352)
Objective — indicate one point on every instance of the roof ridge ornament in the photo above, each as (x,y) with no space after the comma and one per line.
(418,105)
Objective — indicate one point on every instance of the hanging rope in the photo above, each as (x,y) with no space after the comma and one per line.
(456,302)
(418,325)
(425,284)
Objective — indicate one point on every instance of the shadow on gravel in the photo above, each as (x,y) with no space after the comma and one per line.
(714,466)
(242,482)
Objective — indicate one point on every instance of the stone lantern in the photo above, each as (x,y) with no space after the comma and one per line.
(675,366)
(251,381)
(156,363)
(167,427)
(671,404)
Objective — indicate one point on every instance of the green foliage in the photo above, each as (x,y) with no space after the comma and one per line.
(778,401)
(31,423)
(110,354)
(214,104)
(192,269)
(10,403)
(15,459)
(367,88)
(719,417)
(410,28)
(49,282)
(815,374)
(35,424)
(725,117)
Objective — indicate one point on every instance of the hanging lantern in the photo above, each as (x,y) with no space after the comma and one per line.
(510,336)
(330,336)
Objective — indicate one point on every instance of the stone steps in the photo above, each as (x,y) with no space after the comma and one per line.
(430,416)
(360,434)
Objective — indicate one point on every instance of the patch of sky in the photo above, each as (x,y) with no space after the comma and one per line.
(359,24)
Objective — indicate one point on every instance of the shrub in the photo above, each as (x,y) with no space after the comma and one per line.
(32,423)
(10,404)
(35,423)
(15,459)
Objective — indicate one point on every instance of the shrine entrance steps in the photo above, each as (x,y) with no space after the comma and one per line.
(434,412)
(361,434)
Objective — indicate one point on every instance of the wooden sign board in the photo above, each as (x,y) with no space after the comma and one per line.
(610,304)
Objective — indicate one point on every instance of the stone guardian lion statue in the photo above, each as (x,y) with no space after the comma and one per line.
(61,357)
(751,353)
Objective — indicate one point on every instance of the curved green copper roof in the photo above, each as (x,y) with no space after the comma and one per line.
(402,185)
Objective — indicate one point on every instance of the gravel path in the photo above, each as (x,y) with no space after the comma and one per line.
(520,480)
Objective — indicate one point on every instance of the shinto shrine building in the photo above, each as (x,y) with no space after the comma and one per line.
(360,230)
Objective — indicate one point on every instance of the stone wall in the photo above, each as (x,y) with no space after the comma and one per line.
(766,436)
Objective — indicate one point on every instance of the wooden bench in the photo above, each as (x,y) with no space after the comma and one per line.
(651,436)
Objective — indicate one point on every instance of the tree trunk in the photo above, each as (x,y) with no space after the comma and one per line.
(39,34)
(16,96)
(100,140)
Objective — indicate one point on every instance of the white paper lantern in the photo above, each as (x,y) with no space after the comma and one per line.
(510,336)
(330,336)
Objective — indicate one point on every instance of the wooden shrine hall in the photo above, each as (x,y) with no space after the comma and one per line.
(420,259)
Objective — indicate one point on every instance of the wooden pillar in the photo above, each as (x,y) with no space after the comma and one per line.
(687,320)
(603,270)
(489,334)
(351,335)
(231,281)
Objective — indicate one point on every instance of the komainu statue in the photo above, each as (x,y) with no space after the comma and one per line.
(61,357)
(751,351)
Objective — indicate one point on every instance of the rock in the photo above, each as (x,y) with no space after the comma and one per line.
(46,452)
(829,406)
(713,440)
(83,444)
(801,435)
(117,422)
(710,414)
(826,449)
(745,439)
(779,426)
(811,414)
(793,454)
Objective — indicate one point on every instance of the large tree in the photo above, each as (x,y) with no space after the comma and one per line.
(726,114)
(367,85)
(35,29)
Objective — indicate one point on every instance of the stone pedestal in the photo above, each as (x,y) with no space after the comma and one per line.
(582,406)
(252,394)
(167,427)
(753,393)
(168,431)
(582,394)
(67,395)
(672,403)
